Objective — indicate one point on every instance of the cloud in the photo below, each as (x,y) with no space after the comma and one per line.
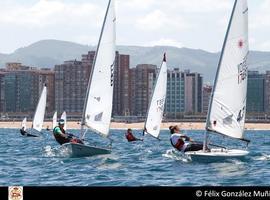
(158,20)
(195,23)
(45,13)
(137,4)
(165,42)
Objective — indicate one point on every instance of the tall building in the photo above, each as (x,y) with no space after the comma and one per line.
(267,92)
(2,91)
(175,98)
(207,89)
(121,85)
(47,76)
(22,87)
(71,80)
(255,92)
(10,89)
(193,92)
(141,88)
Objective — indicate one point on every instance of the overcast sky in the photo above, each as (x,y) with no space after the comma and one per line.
(199,24)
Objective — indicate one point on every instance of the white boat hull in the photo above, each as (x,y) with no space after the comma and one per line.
(81,150)
(217,154)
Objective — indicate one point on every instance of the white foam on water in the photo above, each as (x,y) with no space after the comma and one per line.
(48,151)
(176,155)
(263,157)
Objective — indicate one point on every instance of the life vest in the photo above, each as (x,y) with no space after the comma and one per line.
(59,138)
(130,137)
(179,145)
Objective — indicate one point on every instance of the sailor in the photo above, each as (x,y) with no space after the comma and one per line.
(25,133)
(62,137)
(182,142)
(22,131)
(130,137)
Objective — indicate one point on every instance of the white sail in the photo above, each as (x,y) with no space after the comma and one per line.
(156,108)
(64,117)
(24,124)
(98,105)
(54,120)
(40,110)
(227,107)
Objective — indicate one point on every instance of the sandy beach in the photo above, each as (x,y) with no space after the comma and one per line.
(117,125)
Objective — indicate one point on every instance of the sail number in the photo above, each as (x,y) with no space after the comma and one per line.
(242,70)
(160,105)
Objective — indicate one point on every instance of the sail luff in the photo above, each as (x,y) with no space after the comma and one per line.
(226,114)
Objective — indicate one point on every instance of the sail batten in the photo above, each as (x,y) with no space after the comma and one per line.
(227,108)
(156,107)
(99,96)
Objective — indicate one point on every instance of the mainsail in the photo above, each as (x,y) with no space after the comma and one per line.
(40,110)
(156,108)
(227,107)
(64,117)
(54,119)
(99,96)
(24,123)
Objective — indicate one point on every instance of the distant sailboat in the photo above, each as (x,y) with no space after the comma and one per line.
(156,107)
(54,123)
(227,108)
(64,117)
(99,96)
(39,115)
(24,127)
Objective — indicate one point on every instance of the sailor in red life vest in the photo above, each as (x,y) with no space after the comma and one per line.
(130,137)
(182,142)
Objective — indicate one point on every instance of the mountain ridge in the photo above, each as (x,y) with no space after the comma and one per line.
(48,53)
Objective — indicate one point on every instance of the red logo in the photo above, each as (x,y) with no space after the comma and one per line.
(240,44)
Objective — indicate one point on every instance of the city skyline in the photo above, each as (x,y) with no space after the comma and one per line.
(174,23)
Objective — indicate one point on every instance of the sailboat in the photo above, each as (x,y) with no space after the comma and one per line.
(227,108)
(97,109)
(38,117)
(54,123)
(156,107)
(64,117)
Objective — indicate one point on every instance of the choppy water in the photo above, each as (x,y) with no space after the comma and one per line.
(41,162)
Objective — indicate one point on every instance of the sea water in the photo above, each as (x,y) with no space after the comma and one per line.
(41,161)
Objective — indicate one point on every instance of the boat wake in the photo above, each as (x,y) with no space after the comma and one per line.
(176,155)
(48,151)
(263,157)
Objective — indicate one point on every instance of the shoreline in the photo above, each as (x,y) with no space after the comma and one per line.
(139,126)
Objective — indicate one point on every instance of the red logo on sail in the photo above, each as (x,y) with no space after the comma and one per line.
(240,44)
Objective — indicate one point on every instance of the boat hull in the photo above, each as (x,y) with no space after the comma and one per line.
(216,154)
(81,150)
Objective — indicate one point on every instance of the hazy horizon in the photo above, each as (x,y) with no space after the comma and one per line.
(195,24)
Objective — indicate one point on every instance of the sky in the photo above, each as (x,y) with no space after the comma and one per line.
(197,24)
